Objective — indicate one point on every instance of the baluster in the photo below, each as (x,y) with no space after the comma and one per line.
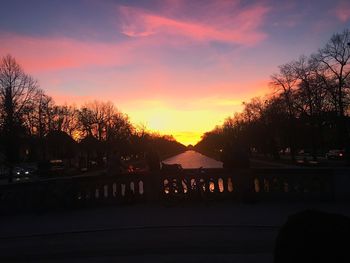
(184,183)
(141,188)
(266,185)
(132,187)
(114,190)
(225,184)
(122,190)
(230,185)
(216,185)
(165,185)
(207,185)
(256,185)
(105,192)
(179,185)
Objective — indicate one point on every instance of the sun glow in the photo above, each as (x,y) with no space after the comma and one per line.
(186,126)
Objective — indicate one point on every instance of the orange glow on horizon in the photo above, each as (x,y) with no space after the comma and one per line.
(186,120)
(187,126)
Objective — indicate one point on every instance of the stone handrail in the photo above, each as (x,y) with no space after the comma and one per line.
(172,187)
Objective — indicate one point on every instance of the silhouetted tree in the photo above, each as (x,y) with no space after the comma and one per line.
(285,82)
(308,109)
(335,57)
(17,89)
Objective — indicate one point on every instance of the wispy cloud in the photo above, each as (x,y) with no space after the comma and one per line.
(57,53)
(236,25)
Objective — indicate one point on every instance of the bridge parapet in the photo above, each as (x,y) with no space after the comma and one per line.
(203,184)
(174,186)
(293,184)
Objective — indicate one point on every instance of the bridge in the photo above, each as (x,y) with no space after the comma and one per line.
(192,214)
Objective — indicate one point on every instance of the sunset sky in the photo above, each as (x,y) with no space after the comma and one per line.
(179,67)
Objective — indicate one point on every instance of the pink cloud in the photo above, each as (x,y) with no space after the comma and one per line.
(38,54)
(342,11)
(46,57)
(240,26)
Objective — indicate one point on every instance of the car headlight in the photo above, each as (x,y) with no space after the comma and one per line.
(26,172)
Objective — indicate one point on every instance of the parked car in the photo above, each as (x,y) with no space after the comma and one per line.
(51,168)
(304,156)
(21,173)
(335,155)
(56,165)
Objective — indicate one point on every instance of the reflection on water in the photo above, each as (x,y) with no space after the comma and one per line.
(192,159)
(211,187)
(221,185)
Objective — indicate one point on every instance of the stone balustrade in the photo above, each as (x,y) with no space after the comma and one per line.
(171,187)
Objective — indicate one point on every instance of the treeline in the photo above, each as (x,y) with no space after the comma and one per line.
(307,110)
(34,128)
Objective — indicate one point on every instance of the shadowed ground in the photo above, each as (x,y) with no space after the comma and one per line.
(222,232)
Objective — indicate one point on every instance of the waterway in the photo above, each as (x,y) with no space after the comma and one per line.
(193,159)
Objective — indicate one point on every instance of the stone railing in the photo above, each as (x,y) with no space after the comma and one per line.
(197,184)
(173,187)
(292,184)
(79,191)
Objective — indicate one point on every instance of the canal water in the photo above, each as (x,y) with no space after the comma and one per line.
(193,159)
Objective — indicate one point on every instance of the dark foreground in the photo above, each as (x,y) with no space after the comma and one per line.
(215,232)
